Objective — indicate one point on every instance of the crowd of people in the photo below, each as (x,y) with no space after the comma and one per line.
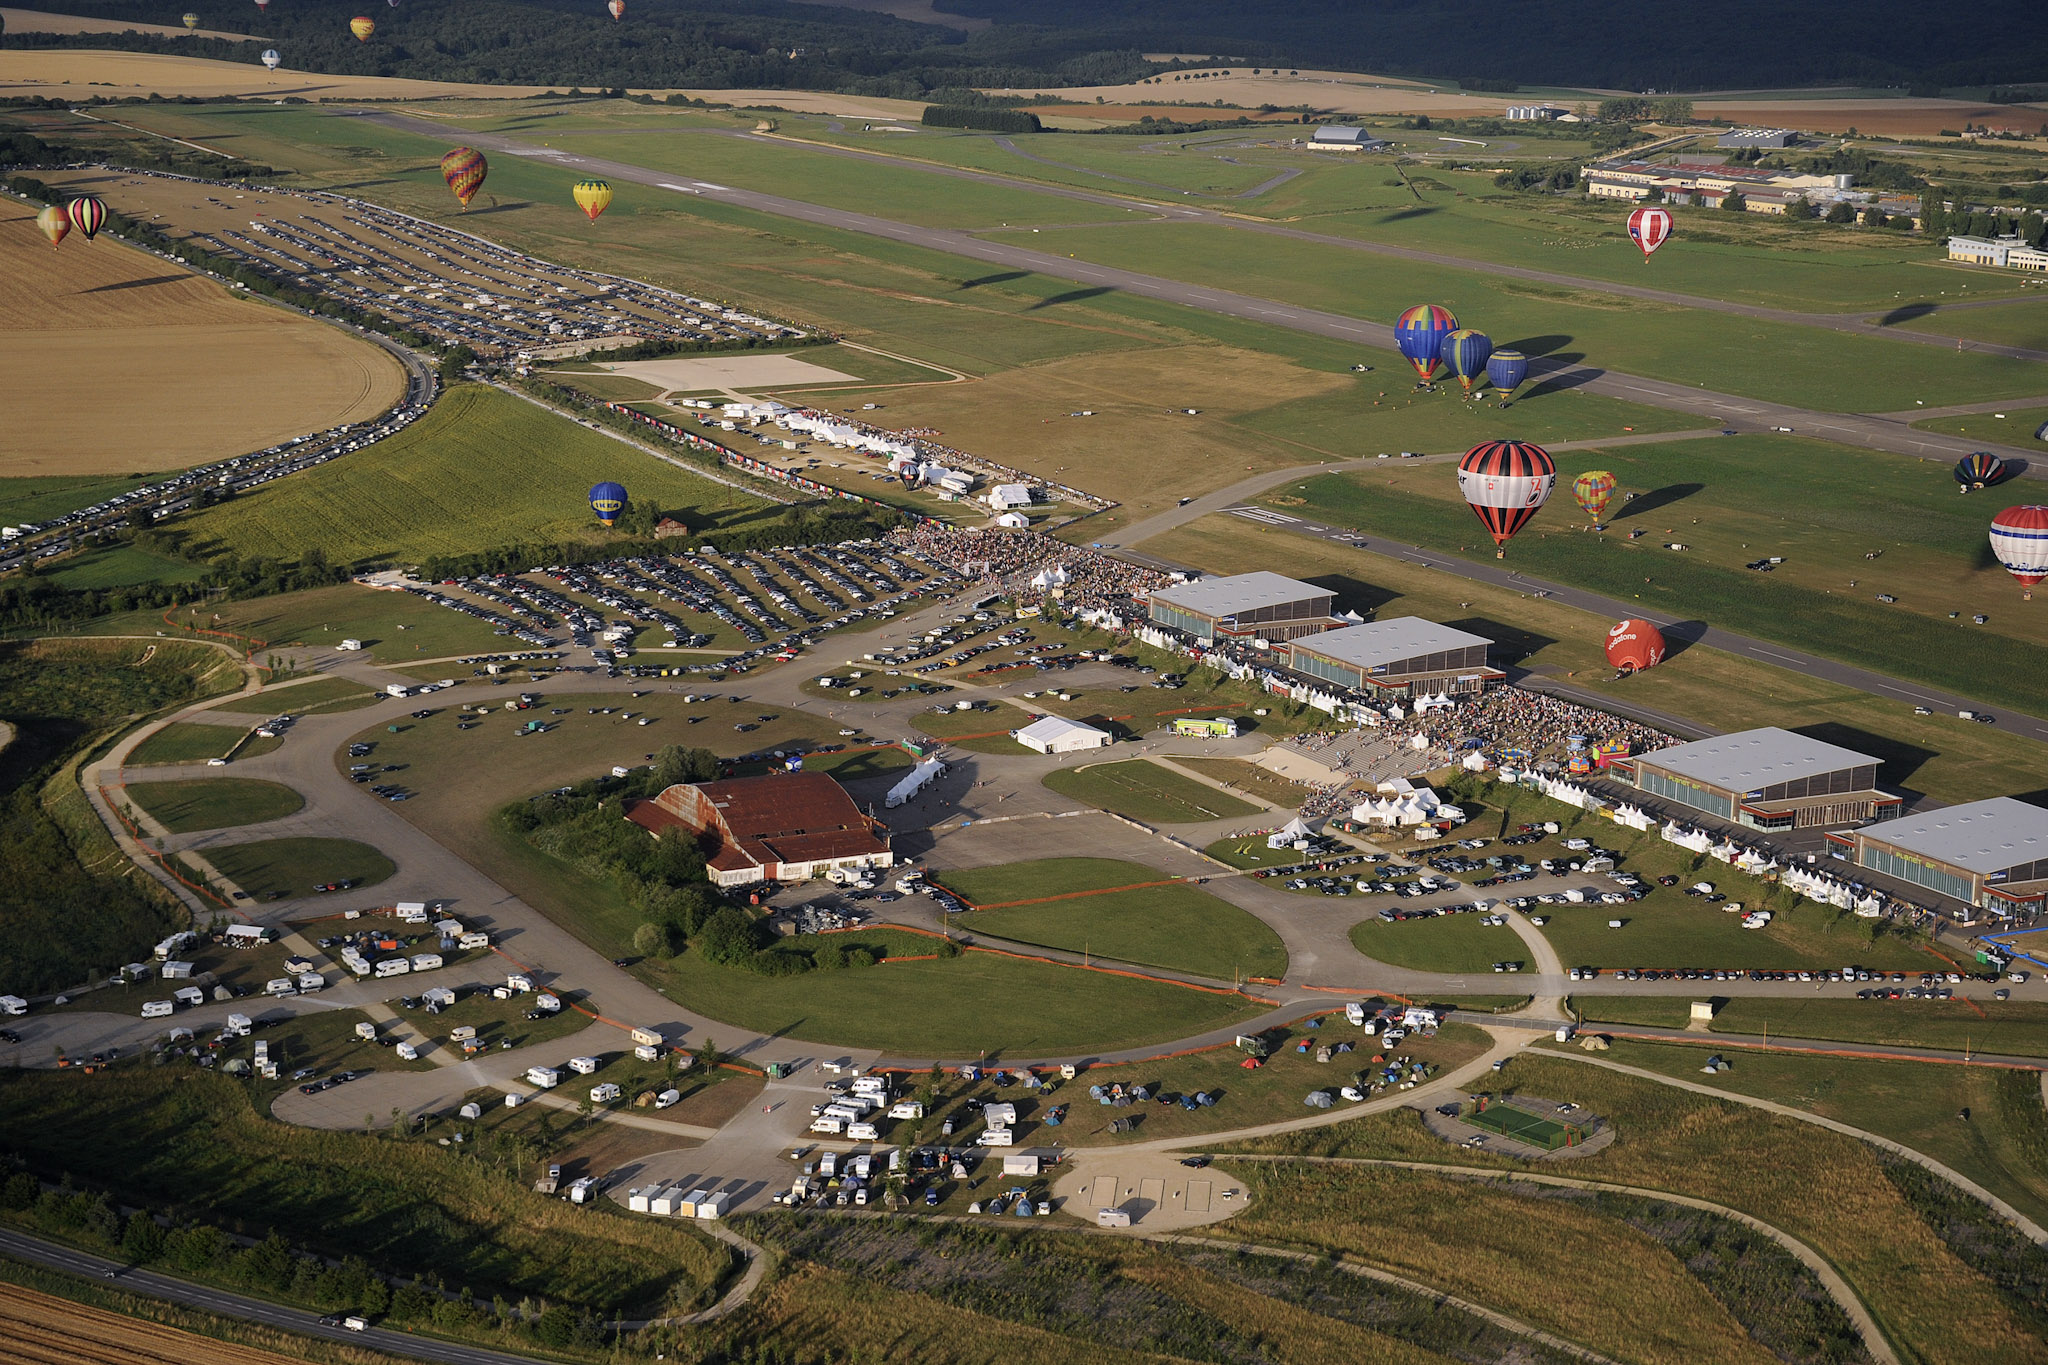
(1007,561)
(1510,720)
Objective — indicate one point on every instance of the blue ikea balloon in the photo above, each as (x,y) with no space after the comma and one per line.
(1505,370)
(607,500)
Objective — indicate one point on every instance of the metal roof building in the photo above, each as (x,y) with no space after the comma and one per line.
(1058,735)
(1767,138)
(1396,658)
(1339,138)
(1992,854)
(1767,779)
(1243,606)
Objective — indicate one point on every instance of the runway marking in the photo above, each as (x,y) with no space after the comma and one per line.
(1271,518)
(679,189)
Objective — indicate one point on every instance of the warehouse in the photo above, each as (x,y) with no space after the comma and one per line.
(1767,779)
(783,828)
(1057,735)
(1391,660)
(1991,854)
(1335,138)
(1757,139)
(1243,607)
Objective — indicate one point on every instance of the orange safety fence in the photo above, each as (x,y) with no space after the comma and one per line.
(249,643)
(170,869)
(1359,990)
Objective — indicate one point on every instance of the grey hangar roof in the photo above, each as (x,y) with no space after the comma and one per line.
(1978,836)
(1220,597)
(1749,759)
(1387,642)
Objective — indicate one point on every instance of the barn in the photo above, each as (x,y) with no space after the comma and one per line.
(781,828)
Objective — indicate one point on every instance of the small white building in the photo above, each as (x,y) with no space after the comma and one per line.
(1338,138)
(1004,496)
(1058,735)
(1013,521)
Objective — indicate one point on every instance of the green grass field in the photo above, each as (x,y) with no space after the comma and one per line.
(2014,1028)
(1176,927)
(120,566)
(268,868)
(2013,426)
(38,498)
(1146,791)
(483,468)
(1450,943)
(216,803)
(186,741)
(393,627)
(302,698)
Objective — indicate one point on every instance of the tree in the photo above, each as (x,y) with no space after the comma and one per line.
(1674,110)
(1841,211)
(454,361)
(652,940)
(142,1241)
(1874,217)
(1733,202)
(1799,210)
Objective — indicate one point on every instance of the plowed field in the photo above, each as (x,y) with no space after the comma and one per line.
(36,1329)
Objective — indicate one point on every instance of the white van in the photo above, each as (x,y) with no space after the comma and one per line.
(996,1137)
(158,1009)
(13,1004)
(667,1098)
(828,1125)
(863,1132)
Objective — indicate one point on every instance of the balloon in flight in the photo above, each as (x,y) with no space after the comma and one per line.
(592,196)
(1649,229)
(362,26)
(618,9)
(1634,645)
(1465,353)
(1420,334)
(191,21)
(1505,370)
(1507,483)
(86,214)
(1980,470)
(464,169)
(607,499)
(270,58)
(1594,489)
(2019,540)
(54,223)
(263,5)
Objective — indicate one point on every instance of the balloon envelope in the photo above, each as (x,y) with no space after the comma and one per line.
(464,169)
(1594,489)
(86,214)
(191,21)
(1634,645)
(1420,334)
(270,58)
(362,26)
(1507,483)
(54,223)
(2019,539)
(1649,229)
(263,4)
(607,500)
(1505,370)
(618,9)
(1465,353)
(1980,470)
(592,196)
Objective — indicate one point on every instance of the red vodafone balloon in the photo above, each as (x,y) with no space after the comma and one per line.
(1634,645)
(1648,229)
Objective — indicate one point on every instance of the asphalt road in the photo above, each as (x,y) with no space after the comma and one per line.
(403,1344)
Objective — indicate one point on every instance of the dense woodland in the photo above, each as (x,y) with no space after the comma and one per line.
(1053,43)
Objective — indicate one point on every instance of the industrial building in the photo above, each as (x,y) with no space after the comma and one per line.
(1991,854)
(1762,191)
(1391,660)
(2005,253)
(784,828)
(1337,138)
(1536,113)
(1766,779)
(1058,735)
(1243,607)
(1762,139)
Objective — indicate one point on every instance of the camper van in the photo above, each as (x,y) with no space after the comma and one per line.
(158,1009)
(546,1077)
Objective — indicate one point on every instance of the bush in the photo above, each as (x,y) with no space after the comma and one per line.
(652,940)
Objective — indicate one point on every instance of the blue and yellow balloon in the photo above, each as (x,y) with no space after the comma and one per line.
(607,500)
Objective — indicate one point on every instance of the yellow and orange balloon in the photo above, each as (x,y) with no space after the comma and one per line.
(464,169)
(54,223)
(592,196)
(362,26)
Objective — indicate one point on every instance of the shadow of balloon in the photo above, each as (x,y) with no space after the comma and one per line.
(1072,296)
(1002,277)
(1418,211)
(1534,346)
(1907,312)
(1557,381)
(135,284)
(1657,499)
(1680,636)
(496,206)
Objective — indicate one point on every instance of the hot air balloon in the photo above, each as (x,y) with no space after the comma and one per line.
(191,21)
(2019,539)
(592,196)
(1507,483)
(54,222)
(2041,432)
(607,500)
(362,26)
(1634,645)
(263,5)
(1594,489)
(1420,334)
(1648,229)
(1465,353)
(86,214)
(1505,370)
(270,58)
(1980,470)
(618,9)
(464,169)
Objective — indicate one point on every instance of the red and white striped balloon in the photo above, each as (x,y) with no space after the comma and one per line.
(2019,538)
(1648,228)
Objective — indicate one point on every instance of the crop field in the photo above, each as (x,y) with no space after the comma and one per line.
(1146,791)
(483,468)
(1176,926)
(186,741)
(272,868)
(216,803)
(182,349)
(42,1330)
(1826,1189)
(1938,755)
(1449,943)
(48,72)
(1972,1021)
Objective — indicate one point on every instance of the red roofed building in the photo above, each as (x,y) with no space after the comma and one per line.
(786,828)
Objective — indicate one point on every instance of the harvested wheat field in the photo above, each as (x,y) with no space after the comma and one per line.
(117,362)
(37,21)
(59,71)
(1885,117)
(37,1329)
